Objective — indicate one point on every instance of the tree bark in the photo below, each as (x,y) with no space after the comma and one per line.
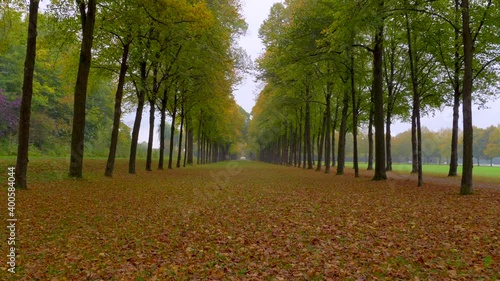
(414,143)
(389,77)
(466,184)
(25,110)
(179,153)
(342,134)
(87,17)
(370,139)
(388,143)
(328,124)
(308,133)
(378,95)
(163,117)
(110,165)
(149,157)
(190,140)
(199,142)
(321,142)
(416,127)
(172,132)
(299,142)
(141,93)
(453,172)
(334,128)
(354,120)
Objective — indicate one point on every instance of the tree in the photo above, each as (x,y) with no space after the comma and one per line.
(493,147)
(87,18)
(25,111)
(466,185)
(378,97)
(117,27)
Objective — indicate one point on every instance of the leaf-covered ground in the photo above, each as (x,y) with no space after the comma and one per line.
(252,221)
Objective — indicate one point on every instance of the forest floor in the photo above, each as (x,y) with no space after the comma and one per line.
(249,221)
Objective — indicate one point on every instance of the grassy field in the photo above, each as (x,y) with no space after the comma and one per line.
(481,173)
(247,221)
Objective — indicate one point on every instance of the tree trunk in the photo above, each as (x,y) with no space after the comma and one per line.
(110,165)
(334,128)
(87,17)
(178,165)
(466,184)
(313,142)
(190,140)
(321,142)
(308,133)
(199,142)
(135,131)
(186,141)
(293,133)
(370,139)
(25,111)
(378,95)
(456,106)
(416,127)
(328,124)
(419,150)
(342,134)
(390,72)
(299,142)
(151,132)
(172,132)
(453,172)
(163,121)
(414,143)
(388,137)
(354,120)
(201,148)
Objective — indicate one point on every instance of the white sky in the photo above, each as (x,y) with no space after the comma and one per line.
(255,12)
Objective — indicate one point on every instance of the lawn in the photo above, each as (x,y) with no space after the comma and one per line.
(248,221)
(481,173)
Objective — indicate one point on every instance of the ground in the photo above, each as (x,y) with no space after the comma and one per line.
(249,221)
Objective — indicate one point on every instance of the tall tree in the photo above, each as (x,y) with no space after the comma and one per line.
(378,95)
(25,112)
(117,113)
(466,184)
(87,18)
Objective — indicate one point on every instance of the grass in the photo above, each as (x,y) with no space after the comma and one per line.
(248,221)
(482,173)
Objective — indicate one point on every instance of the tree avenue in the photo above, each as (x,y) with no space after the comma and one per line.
(336,75)
(424,56)
(175,57)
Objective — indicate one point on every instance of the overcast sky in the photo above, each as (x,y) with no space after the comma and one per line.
(255,12)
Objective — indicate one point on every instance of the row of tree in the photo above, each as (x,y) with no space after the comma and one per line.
(175,57)
(435,147)
(331,66)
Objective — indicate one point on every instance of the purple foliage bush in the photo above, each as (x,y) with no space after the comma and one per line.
(9,114)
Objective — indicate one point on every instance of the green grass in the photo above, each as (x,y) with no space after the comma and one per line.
(47,169)
(486,173)
(483,173)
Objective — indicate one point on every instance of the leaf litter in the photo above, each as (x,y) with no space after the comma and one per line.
(266,222)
